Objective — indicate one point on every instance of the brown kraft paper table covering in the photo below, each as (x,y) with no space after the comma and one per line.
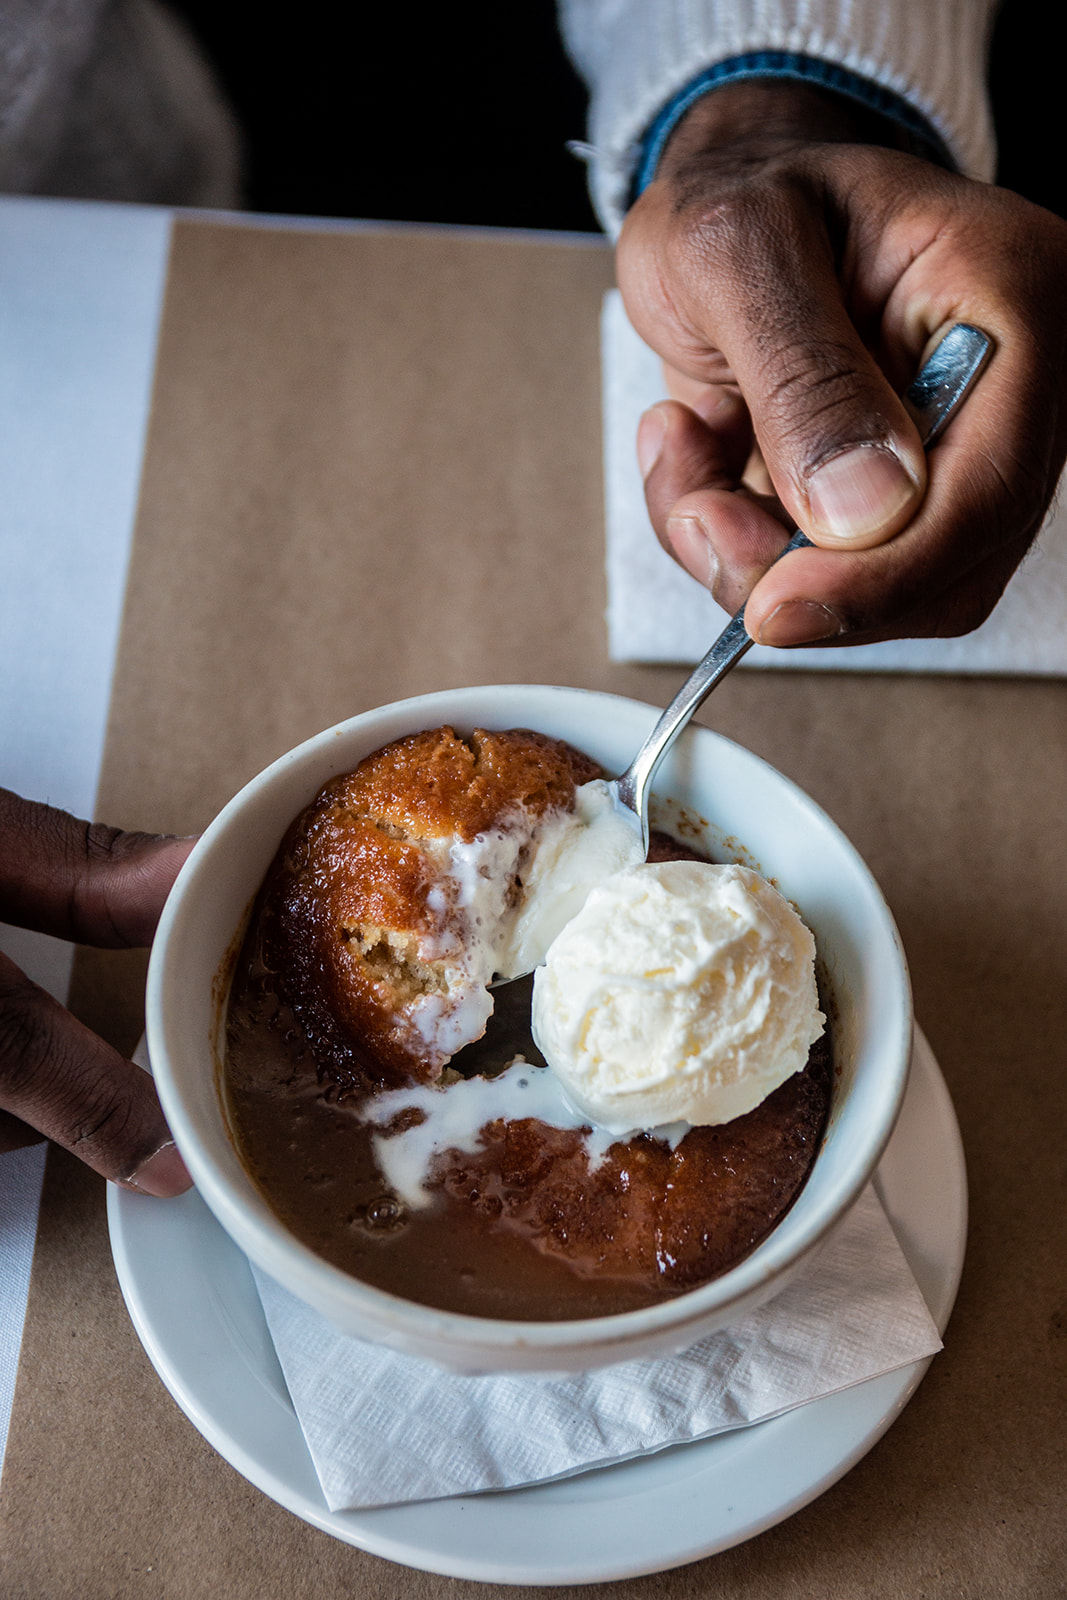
(373,470)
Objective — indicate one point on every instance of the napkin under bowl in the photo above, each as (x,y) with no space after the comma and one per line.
(384,1428)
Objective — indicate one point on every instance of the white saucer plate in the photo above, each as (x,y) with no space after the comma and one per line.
(194,1304)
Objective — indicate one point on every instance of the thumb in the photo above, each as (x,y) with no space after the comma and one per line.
(843,455)
(59,1078)
(761,297)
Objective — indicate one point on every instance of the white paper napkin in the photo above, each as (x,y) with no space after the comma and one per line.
(657,613)
(384,1428)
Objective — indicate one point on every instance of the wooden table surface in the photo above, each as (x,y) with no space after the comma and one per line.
(373,469)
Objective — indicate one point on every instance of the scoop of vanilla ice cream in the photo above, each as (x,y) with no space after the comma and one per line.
(681,992)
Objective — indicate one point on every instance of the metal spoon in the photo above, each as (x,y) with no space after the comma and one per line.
(931,399)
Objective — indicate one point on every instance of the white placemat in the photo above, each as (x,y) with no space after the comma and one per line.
(81,287)
(21,1180)
(656,612)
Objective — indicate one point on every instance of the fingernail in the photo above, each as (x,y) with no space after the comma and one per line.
(799,622)
(694,550)
(650,434)
(164,1173)
(860,494)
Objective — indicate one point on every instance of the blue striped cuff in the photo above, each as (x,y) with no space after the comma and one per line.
(922,139)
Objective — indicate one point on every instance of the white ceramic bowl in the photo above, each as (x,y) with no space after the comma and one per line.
(752,813)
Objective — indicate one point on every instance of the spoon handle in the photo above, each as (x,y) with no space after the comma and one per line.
(931,400)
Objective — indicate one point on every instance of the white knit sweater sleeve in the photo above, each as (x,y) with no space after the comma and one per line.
(636,55)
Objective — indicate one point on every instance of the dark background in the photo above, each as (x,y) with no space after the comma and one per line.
(421,113)
(461,113)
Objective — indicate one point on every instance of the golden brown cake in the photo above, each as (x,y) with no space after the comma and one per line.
(362,920)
